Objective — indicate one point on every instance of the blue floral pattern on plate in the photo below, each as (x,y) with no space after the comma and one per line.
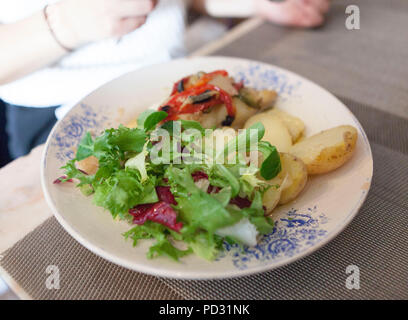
(72,129)
(264,77)
(293,233)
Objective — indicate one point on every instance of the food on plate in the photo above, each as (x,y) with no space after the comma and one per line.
(272,195)
(185,176)
(295,126)
(327,150)
(295,172)
(277,134)
(186,206)
(89,165)
(214,99)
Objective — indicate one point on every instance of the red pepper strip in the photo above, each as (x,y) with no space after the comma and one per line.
(203,80)
(175,86)
(160,212)
(177,100)
(226,98)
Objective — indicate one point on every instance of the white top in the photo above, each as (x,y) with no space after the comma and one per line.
(85,69)
(230,8)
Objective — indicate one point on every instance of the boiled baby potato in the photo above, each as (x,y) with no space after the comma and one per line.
(272,196)
(275,131)
(296,172)
(326,150)
(294,124)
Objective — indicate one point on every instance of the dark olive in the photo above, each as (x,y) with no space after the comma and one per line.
(228,120)
(203,97)
(165,108)
(180,86)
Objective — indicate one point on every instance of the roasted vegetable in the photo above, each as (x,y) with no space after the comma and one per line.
(262,99)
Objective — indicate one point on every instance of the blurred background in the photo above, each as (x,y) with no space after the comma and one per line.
(60,50)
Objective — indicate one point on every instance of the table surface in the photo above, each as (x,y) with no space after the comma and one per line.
(351,73)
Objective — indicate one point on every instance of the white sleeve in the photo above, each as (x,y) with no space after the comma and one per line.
(230,8)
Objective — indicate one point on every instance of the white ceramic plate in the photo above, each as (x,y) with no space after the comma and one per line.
(323,210)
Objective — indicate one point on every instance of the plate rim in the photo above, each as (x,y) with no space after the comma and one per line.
(214,275)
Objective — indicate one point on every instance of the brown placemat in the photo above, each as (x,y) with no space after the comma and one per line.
(375,241)
(82,274)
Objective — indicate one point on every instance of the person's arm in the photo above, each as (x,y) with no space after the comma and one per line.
(300,13)
(29,45)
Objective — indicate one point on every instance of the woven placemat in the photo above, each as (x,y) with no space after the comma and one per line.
(375,241)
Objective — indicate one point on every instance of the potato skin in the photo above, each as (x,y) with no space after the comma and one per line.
(272,196)
(297,171)
(327,150)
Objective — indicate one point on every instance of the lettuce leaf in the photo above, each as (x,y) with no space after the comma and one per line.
(196,207)
(149,119)
(162,246)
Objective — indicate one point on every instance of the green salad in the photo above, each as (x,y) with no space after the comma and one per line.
(173,184)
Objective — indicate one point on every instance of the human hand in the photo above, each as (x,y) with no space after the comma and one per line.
(77,22)
(297,13)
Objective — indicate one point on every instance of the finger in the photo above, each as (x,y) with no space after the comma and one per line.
(134,8)
(321,5)
(312,17)
(127,25)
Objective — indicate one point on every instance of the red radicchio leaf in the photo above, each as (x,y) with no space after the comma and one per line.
(198,175)
(160,212)
(59,180)
(164,194)
(241,202)
(212,189)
